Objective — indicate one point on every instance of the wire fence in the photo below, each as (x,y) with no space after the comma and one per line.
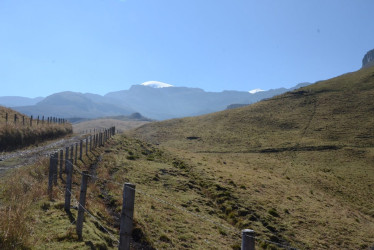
(22,120)
(100,140)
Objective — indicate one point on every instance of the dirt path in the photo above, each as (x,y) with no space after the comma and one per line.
(22,157)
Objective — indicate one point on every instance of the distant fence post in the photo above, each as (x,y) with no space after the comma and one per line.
(126,216)
(37,121)
(66,156)
(61,162)
(82,204)
(6,118)
(248,239)
(69,174)
(23,120)
(76,153)
(90,143)
(15,119)
(30,121)
(86,145)
(80,149)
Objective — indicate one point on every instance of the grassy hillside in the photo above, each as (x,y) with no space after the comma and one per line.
(121,126)
(20,133)
(301,163)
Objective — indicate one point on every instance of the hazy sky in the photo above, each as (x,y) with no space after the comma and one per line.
(99,46)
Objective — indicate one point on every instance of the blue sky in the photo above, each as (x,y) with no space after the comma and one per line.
(99,46)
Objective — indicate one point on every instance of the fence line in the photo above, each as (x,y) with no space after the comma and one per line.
(29,121)
(187,211)
(248,236)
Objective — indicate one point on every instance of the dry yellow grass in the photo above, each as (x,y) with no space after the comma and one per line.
(22,133)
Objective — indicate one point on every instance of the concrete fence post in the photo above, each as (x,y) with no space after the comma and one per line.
(82,204)
(248,239)
(126,216)
(69,175)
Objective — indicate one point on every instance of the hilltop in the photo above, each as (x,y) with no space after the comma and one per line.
(300,163)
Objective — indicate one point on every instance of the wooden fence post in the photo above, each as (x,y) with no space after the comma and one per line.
(80,149)
(69,174)
(15,119)
(248,239)
(72,153)
(55,166)
(82,204)
(66,156)
(126,216)
(76,153)
(90,142)
(61,162)
(86,145)
(23,120)
(30,121)
(50,177)
(6,118)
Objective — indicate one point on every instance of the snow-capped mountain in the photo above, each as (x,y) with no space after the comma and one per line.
(156,84)
(254,91)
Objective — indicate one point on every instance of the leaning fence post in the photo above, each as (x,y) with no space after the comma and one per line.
(248,239)
(126,216)
(69,174)
(82,203)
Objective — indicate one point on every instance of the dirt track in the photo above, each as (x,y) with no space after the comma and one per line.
(19,158)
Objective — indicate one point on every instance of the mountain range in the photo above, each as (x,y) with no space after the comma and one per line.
(152,99)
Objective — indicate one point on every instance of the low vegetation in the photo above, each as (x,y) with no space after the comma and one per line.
(120,125)
(296,168)
(300,164)
(21,133)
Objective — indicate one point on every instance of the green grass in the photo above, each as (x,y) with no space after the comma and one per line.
(300,163)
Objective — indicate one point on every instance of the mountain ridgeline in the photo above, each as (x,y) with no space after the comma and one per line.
(154,103)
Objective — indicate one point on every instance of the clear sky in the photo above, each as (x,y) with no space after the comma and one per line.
(99,46)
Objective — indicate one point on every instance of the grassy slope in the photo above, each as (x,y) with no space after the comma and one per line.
(107,123)
(16,135)
(306,155)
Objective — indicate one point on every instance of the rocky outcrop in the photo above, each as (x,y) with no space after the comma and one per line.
(368,59)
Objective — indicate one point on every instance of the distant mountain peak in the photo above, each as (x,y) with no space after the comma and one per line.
(254,91)
(156,84)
